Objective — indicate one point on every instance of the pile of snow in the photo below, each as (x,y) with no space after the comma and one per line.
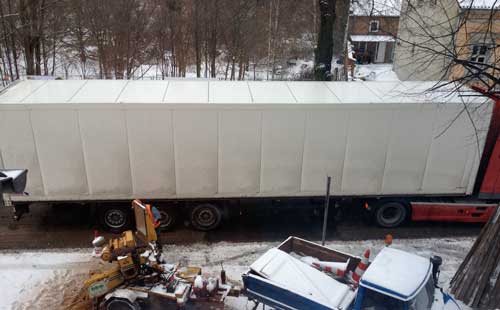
(32,279)
(43,279)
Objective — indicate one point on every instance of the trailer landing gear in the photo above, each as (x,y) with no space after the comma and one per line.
(19,210)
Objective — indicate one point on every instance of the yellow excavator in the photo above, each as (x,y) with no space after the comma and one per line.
(140,279)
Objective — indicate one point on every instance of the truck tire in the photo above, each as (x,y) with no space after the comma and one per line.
(205,217)
(391,214)
(115,219)
(168,218)
(115,303)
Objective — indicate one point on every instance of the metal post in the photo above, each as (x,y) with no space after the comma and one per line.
(327,204)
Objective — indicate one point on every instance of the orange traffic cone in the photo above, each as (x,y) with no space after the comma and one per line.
(337,269)
(362,266)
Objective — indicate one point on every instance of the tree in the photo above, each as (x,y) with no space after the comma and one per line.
(324,50)
(340,27)
(452,42)
(116,39)
(457,44)
(332,37)
(477,280)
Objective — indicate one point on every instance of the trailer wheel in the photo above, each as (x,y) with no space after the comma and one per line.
(391,214)
(115,219)
(115,303)
(168,218)
(206,217)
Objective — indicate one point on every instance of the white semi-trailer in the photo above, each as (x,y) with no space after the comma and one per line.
(204,146)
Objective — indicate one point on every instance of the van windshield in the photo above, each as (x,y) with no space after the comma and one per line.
(424,298)
(373,300)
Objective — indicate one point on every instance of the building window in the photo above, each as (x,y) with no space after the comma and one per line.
(374,26)
(479,53)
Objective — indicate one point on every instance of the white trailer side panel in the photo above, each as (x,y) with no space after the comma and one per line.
(409,143)
(18,147)
(60,153)
(239,152)
(450,150)
(196,151)
(151,147)
(282,148)
(366,149)
(106,151)
(324,149)
(187,139)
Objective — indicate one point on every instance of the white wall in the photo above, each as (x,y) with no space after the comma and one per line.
(416,56)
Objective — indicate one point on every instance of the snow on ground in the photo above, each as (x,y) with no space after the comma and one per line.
(46,279)
(41,276)
(375,72)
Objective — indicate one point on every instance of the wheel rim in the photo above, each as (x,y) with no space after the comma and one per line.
(391,215)
(115,218)
(206,217)
(165,219)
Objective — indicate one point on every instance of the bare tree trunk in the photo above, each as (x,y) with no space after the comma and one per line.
(13,39)
(477,282)
(38,36)
(53,50)
(227,68)
(241,72)
(45,59)
(6,42)
(324,52)
(275,31)
(26,20)
(197,38)
(1,71)
(340,27)
(213,40)
(232,68)
(315,19)
(205,54)
(269,39)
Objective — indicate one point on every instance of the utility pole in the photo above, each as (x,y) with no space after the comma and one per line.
(327,205)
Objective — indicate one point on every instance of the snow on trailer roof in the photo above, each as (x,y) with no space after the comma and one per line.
(227,92)
(397,273)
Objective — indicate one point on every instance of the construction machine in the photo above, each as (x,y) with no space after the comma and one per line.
(139,278)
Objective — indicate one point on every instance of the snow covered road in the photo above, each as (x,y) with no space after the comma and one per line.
(48,279)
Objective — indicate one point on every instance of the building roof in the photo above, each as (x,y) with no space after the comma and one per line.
(376,7)
(36,92)
(371,38)
(479,4)
(397,273)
